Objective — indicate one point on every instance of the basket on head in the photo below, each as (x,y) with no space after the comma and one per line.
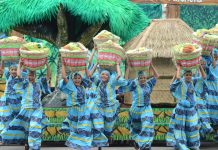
(187,55)
(34,55)
(109,53)
(74,56)
(9,48)
(140,59)
(104,36)
(208,37)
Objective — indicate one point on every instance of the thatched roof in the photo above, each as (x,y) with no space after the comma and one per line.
(161,36)
(125,18)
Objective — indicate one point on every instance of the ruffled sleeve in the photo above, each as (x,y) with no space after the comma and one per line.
(67,88)
(130,86)
(44,85)
(175,89)
(114,82)
(6,73)
(151,83)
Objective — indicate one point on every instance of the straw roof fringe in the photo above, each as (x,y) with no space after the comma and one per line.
(125,18)
(161,36)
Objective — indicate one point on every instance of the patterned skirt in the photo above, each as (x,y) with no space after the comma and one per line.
(85,125)
(9,109)
(170,139)
(28,126)
(204,118)
(110,114)
(141,125)
(212,101)
(184,129)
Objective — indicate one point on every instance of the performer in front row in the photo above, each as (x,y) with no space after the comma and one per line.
(84,121)
(28,125)
(106,82)
(185,119)
(10,102)
(141,114)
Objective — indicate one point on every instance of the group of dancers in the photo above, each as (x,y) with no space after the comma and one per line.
(93,108)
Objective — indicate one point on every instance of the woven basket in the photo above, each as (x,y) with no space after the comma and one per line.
(9,48)
(104,36)
(34,55)
(210,39)
(34,64)
(76,64)
(207,37)
(206,49)
(180,55)
(189,64)
(109,53)
(140,59)
(187,60)
(74,56)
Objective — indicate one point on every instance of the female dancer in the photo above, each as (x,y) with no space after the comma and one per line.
(106,100)
(186,127)
(28,125)
(141,114)
(10,101)
(84,122)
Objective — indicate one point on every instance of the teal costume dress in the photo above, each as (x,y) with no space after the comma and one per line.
(10,102)
(140,114)
(212,99)
(185,125)
(84,122)
(106,101)
(28,125)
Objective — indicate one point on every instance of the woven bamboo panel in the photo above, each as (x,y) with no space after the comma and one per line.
(161,92)
(164,66)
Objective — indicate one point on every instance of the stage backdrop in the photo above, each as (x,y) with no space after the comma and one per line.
(199,16)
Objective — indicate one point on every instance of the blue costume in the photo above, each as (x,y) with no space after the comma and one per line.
(185,126)
(212,83)
(30,122)
(201,106)
(106,101)
(84,122)
(141,114)
(10,102)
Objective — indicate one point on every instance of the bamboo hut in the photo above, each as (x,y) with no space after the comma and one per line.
(161,36)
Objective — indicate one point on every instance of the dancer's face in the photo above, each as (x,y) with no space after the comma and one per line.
(203,64)
(142,79)
(13,71)
(77,79)
(188,76)
(215,57)
(31,76)
(104,77)
(1,73)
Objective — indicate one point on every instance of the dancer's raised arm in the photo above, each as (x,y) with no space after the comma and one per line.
(64,75)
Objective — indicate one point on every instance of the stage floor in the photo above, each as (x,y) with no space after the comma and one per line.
(205,146)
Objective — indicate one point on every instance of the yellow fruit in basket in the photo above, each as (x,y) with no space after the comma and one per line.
(52,130)
(60,114)
(50,114)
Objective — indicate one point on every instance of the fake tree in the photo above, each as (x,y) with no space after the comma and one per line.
(62,21)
